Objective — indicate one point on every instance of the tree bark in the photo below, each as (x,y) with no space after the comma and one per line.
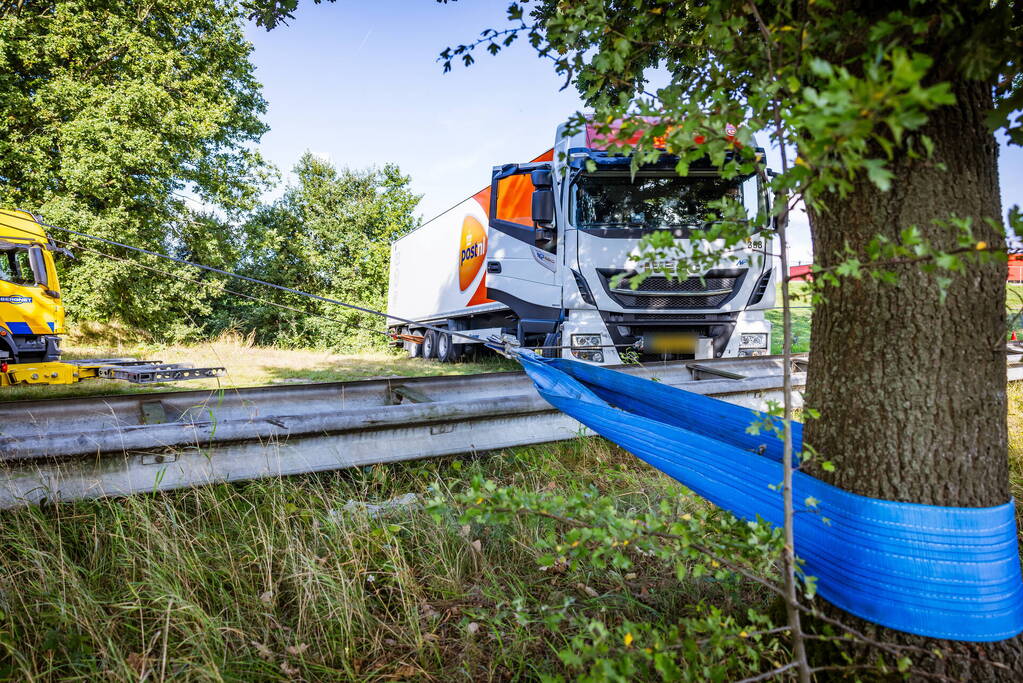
(912,389)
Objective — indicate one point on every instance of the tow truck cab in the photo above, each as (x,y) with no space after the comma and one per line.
(31,313)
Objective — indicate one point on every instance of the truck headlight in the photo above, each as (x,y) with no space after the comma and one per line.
(585,340)
(753,340)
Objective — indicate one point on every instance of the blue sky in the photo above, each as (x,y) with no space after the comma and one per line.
(358,84)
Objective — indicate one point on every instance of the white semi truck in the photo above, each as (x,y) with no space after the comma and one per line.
(534,256)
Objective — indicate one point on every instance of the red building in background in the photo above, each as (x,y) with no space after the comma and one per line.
(802,272)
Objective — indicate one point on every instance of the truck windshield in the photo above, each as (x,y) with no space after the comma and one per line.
(620,204)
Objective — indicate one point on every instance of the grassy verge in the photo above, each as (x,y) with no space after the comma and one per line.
(274,580)
(248,365)
(802,315)
(1014,308)
(1015,428)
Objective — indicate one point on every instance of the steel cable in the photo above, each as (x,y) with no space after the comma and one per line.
(239,276)
(261,300)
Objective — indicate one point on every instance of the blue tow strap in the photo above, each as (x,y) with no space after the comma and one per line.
(942,572)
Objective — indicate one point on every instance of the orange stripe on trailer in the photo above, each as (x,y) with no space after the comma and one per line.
(483,196)
(480,296)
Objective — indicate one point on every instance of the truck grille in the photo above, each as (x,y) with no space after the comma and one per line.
(657,291)
(669,317)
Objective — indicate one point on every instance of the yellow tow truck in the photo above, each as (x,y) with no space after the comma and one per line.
(32,318)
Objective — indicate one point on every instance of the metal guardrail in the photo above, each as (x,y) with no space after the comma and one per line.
(67,449)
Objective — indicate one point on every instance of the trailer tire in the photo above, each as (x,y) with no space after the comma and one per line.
(430,344)
(413,349)
(447,350)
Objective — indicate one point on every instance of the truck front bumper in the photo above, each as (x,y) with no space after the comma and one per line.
(613,337)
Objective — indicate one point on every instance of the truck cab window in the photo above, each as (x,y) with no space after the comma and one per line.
(16,267)
(514,205)
(618,203)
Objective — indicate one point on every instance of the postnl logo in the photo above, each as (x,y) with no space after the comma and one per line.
(472,252)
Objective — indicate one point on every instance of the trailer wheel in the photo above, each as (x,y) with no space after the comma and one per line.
(447,350)
(413,349)
(430,344)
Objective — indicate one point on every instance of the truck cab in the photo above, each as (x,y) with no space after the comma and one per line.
(564,238)
(31,312)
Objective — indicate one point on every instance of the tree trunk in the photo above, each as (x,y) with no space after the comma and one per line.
(912,389)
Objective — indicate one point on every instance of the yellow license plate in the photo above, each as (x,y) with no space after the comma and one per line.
(670,342)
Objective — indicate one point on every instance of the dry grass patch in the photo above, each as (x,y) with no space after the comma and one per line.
(248,365)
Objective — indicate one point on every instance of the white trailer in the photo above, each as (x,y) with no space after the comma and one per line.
(534,256)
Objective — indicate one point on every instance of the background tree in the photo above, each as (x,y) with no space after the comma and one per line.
(329,234)
(271,13)
(132,122)
(891,110)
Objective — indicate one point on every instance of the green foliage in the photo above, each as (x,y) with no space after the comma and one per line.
(845,90)
(883,253)
(600,535)
(329,234)
(112,116)
(842,108)
(137,124)
(801,314)
(271,13)
(591,532)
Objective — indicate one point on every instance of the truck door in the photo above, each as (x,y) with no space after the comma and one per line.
(30,308)
(522,254)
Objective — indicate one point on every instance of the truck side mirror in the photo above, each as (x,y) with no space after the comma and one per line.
(542,178)
(38,263)
(543,207)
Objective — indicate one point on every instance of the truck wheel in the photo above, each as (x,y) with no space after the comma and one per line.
(430,344)
(447,350)
(411,348)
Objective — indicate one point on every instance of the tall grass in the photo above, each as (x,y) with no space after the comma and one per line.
(274,580)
